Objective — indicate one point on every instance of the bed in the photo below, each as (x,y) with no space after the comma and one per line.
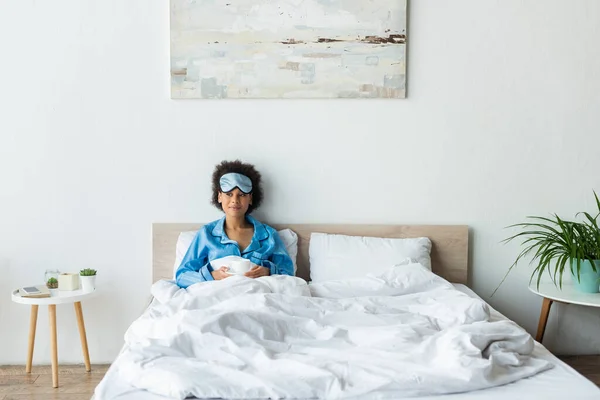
(449,260)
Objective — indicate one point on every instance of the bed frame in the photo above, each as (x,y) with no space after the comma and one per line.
(449,254)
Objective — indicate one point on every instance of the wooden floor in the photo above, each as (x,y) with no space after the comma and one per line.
(588,366)
(76,384)
(73,382)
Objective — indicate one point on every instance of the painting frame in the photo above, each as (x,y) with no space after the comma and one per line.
(305,49)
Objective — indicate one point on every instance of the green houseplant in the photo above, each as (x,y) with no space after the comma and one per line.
(557,245)
(52,283)
(88,279)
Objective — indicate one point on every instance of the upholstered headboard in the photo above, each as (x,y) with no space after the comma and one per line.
(449,255)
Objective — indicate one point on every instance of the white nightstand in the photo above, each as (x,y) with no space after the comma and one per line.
(568,294)
(59,297)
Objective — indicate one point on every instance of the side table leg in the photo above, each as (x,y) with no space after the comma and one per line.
(32,327)
(53,346)
(82,336)
(543,319)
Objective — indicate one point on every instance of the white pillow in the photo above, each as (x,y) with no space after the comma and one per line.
(288,237)
(347,257)
(290,241)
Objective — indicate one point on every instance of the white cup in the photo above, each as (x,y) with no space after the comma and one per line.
(240,266)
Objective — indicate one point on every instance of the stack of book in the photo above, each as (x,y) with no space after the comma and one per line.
(35,291)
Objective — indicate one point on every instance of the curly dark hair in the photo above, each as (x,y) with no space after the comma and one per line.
(240,167)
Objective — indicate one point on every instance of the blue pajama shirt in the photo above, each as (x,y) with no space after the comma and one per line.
(211,242)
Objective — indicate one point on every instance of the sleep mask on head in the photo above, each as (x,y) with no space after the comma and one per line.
(233,180)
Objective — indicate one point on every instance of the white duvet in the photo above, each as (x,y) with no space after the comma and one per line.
(405,333)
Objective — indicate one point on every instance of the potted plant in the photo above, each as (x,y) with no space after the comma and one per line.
(88,279)
(558,245)
(52,283)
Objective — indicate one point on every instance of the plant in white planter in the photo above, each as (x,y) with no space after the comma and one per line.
(558,245)
(88,279)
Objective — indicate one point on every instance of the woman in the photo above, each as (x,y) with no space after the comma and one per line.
(237,192)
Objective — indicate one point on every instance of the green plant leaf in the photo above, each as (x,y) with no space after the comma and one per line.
(552,242)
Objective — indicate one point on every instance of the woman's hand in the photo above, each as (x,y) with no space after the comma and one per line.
(257,272)
(220,273)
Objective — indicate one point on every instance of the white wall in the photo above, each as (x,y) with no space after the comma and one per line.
(501,121)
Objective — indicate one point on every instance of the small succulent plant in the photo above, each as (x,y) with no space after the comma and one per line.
(87,272)
(52,283)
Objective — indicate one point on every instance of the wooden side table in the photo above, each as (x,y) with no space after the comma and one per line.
(60,297)
(568,295)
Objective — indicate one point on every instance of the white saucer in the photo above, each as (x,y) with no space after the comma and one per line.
(235,273)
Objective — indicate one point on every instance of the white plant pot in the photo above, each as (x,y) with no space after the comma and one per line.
(88,283)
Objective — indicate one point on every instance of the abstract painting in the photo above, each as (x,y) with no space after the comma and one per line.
(257,49)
